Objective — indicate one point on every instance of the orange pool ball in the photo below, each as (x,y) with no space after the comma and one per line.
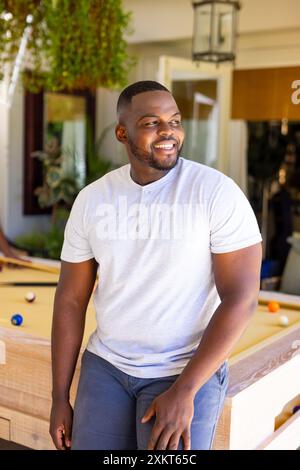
(273,306)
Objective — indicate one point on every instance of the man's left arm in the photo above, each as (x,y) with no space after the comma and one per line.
(237,277)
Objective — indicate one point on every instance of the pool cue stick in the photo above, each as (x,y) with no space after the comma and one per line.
(28,283)
(31,265)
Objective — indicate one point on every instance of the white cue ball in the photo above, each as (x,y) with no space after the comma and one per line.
(30,296)
(283,320)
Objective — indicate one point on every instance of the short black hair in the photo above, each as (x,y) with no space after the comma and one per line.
(135,88)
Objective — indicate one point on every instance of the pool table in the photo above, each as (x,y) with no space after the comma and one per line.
(264,370)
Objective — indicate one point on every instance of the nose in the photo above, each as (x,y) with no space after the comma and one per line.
(165,129)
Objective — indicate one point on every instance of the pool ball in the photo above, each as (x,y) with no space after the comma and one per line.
(30,297)
(16,319)
(273,306)
(296,409)
(283,320)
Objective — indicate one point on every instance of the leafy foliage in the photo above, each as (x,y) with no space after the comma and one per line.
(46,245)
(73,44)
(58,187)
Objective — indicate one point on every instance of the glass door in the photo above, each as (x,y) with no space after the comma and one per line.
(203,94)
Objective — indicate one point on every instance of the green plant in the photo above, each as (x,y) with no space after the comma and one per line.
(58,187)
(54,241)
(72,44)
(48,244)
(32,242)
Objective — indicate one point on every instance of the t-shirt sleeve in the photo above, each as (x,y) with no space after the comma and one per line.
(233,224)
(76,247)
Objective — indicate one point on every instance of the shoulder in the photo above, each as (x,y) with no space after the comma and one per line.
(94,192)
(203,173)
(204,179)
(113,177)
(110,180)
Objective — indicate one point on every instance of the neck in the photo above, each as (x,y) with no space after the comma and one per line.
(147,175)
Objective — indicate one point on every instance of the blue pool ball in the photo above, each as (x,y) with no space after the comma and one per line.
(17,319)
(296,408)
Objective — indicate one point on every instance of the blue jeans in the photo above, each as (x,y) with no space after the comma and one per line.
(110,405)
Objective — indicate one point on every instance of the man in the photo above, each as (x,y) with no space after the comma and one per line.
(179,254)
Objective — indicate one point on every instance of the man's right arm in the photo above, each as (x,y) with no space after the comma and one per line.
(72,296)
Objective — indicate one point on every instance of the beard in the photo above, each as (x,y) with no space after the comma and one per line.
(150,159)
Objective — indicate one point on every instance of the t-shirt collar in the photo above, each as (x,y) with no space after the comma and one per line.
(155,184)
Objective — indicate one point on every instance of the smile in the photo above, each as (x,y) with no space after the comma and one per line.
(166,146)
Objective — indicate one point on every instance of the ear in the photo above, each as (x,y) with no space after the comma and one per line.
(121,133)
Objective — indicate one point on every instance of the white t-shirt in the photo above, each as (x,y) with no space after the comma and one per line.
(153,244)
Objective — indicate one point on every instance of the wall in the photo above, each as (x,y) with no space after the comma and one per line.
(11,171)
(269,49)
(279,48)
(161,20)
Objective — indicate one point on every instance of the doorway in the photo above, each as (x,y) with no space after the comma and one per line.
(203,94)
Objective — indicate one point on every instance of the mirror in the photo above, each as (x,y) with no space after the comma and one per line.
(58,120)
(65,130)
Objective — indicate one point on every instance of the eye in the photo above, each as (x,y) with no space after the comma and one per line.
(150,124)
(176,122)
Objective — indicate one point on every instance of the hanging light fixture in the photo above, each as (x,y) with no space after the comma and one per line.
(215,24)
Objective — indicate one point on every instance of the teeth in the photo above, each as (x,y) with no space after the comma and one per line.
(164,146)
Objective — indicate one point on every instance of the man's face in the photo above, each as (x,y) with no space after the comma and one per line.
(151,130)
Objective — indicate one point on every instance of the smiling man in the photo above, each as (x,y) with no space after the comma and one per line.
(151,152)
(178,251)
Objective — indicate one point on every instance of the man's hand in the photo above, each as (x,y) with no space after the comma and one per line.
(61,420)
(174,412)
